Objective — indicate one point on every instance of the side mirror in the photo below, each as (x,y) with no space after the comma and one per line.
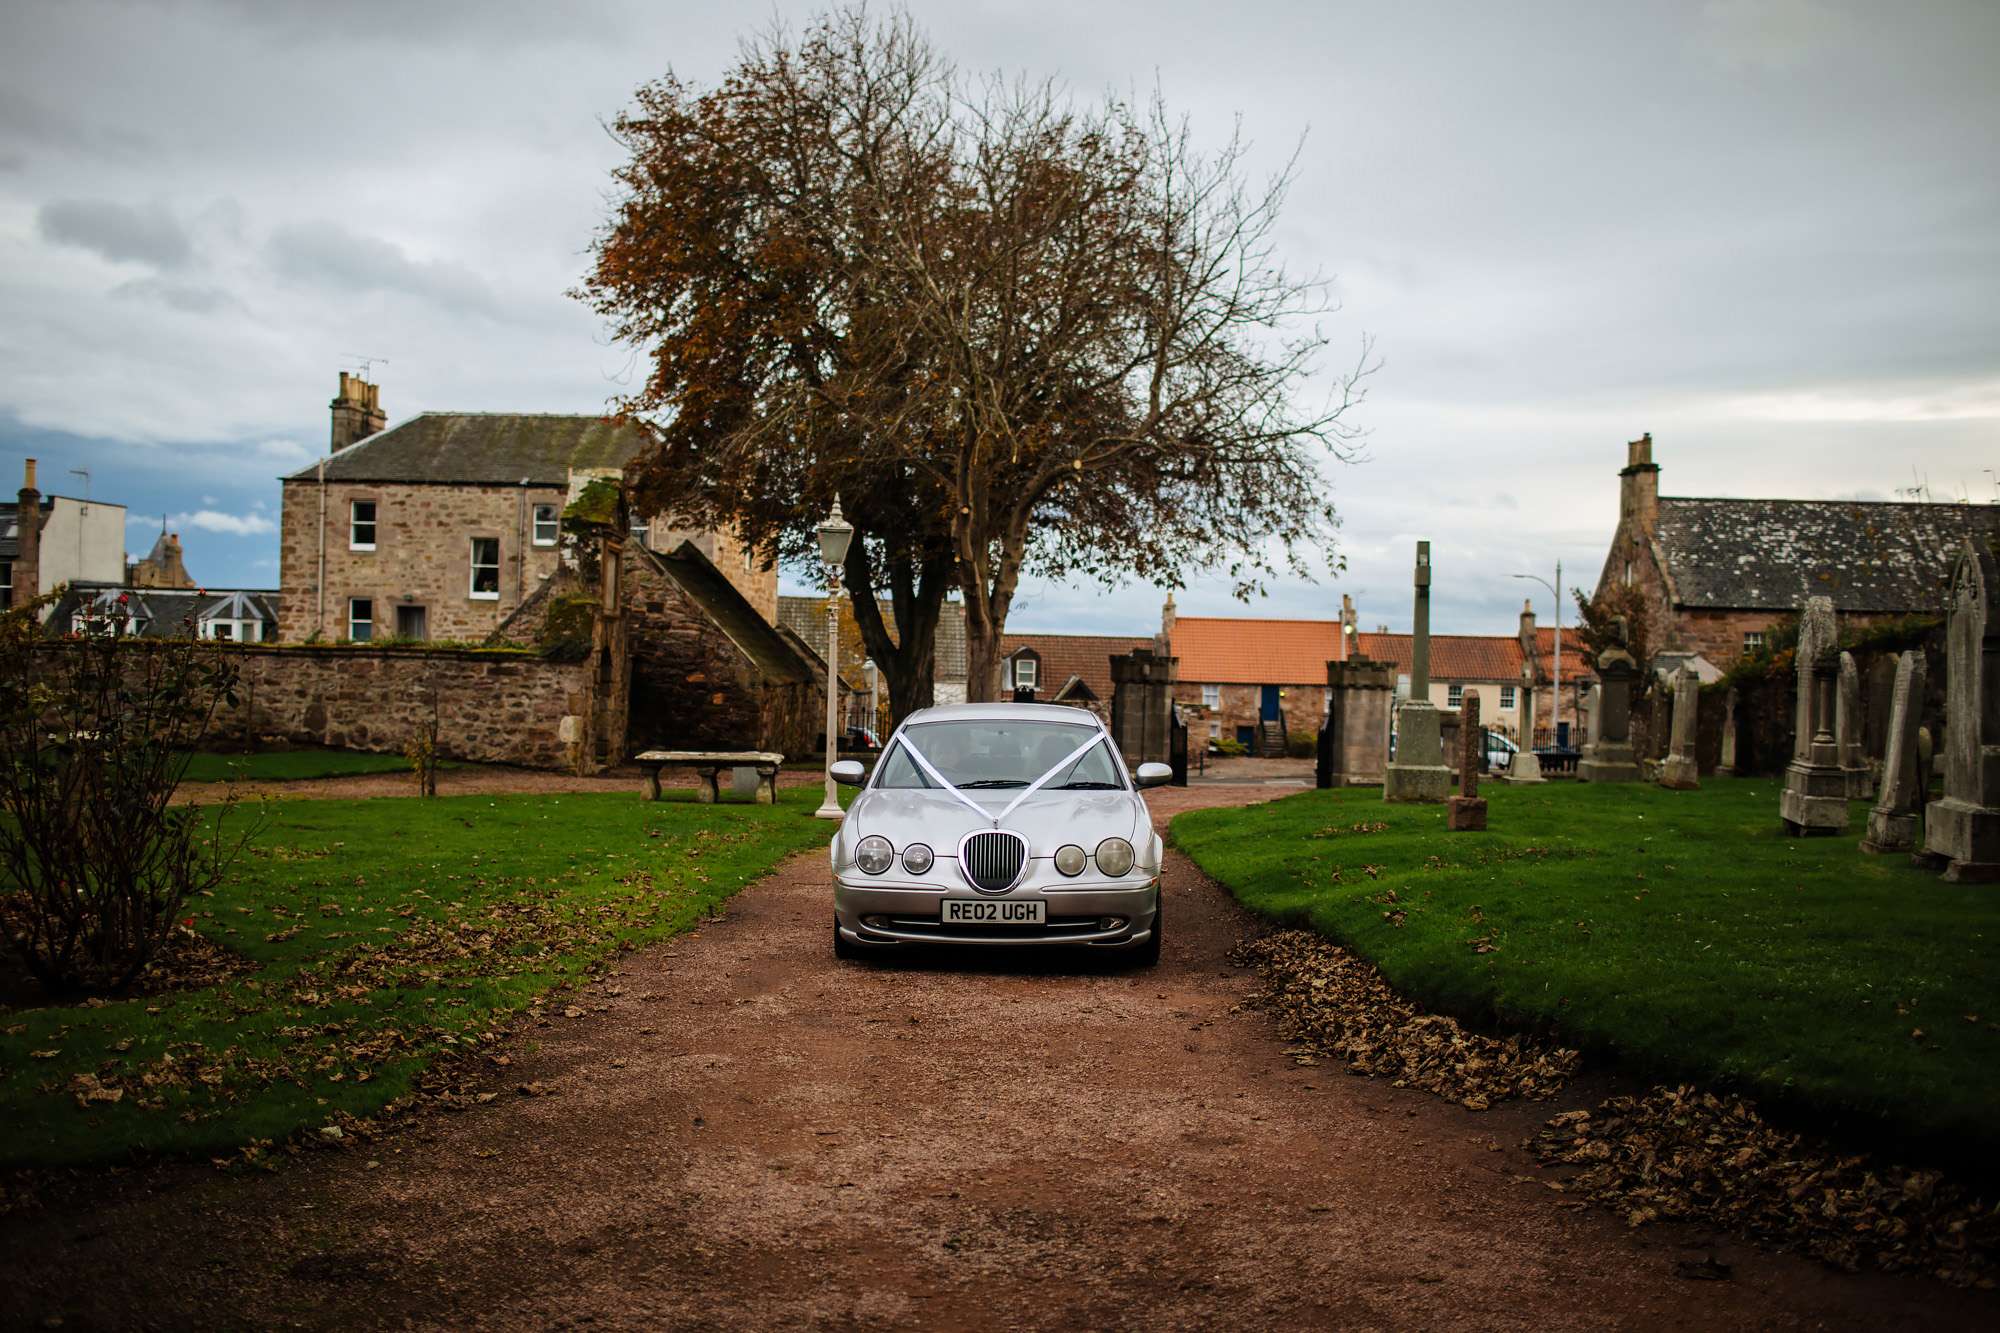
(1154,775)
(849,773)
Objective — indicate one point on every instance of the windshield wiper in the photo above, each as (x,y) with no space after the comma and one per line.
(990,782)
(1093,786)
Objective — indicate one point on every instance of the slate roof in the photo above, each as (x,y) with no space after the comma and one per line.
(806,617)
(1084,656)
(1774,554)
(1458,656)
(164,613)
(10,531)
(482,448)
(755,637)
(1231,650)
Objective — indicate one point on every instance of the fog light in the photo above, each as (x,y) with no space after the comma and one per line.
(1110,922)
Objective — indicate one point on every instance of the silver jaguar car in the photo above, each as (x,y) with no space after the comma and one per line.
(998,824)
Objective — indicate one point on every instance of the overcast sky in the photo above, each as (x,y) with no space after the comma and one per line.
(1768,231)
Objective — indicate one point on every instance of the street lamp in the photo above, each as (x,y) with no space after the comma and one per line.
(1555,591)
(834,535)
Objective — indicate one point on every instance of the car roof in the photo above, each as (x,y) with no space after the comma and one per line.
(1005,712)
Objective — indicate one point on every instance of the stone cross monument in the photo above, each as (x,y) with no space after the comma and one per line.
(1892,824)
(1526,766)
(1681,772)
(1418,772)
(1962,830)
(1607,756)
(1815,795)
(1466,812)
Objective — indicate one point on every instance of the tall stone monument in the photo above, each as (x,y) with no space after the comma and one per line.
(1962,830)
(1681,772)
(1847,735)
(1727,763)
(1892,824)
(1815,795)
(1466,812)
(1359,695)
(1526,766)
(1418,771)
(1607,755)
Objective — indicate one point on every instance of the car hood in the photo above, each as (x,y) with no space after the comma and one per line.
(1047,819)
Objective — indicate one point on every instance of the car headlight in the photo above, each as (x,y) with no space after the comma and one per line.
(1070,860)
(1114,857)
(917,858)
(874,854)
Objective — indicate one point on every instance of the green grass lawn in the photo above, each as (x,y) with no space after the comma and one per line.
(294,765)
(384,932)
(1682,931)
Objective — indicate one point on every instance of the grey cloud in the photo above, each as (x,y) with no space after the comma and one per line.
(117,231)
(188,298)
(328,254)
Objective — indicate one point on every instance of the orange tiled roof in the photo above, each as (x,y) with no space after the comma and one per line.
(1066,655)
(1575,655)
(1226,650)
(1458,656)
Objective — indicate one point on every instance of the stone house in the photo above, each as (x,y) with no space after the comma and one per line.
(1253,680)
(1064,668)
(441,526)
(1717,574)
(230,615)
(47,541)
(806,618)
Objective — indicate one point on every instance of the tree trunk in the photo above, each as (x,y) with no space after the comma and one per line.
(908,659)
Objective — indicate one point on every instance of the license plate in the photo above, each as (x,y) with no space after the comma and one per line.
(995,911)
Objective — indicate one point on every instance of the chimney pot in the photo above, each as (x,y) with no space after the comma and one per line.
(28,481)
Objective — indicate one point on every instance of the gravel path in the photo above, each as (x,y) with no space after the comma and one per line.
(744,1134)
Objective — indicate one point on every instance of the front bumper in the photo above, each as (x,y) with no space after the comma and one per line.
(1100,916)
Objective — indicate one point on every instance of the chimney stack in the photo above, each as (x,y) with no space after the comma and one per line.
(1639,486)
(357,411)
(28,548)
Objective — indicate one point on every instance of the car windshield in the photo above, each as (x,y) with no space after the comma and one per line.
(1001,753)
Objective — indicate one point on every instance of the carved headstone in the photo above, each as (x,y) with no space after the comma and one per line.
(1878,694)
(1892,824)
(1608,757)
(1815,796)
(1680,772)
(1847,731)
(1417,771)
(1962,830)
(1466,812)
(1727,763)
(1358,694)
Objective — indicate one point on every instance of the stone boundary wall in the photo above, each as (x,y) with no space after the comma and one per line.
(493,707)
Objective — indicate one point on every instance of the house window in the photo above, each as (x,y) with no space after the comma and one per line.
(411,623)
(545,525)
(1506,696)
(1211,696)
(642,528)
(6,584)
(1753,640)
(486,568)
(360,619)
(1026,671)
(222,629)
(361,525)
(1454,695)
(1215,729)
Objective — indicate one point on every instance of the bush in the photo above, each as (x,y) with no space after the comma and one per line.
(1301,745)
(1228,746)
(95,733)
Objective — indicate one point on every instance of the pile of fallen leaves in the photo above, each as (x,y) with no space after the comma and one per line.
(1684,1155)
(1333,1005)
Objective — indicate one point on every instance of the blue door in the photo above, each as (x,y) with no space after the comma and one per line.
(1269,709)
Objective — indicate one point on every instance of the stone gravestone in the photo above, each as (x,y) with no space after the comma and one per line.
(1727,763)
(1878,695)
(1815,795)
(1418,772)
(1359,695)
(1526,765)
(1466,812)
(1607,756)
(1892,824)
(1681,772)
(1847,732)
(1962,830)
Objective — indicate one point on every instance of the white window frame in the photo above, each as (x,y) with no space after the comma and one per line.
(472,573)
(6,583)
(642,528)
(1753,639)
(1506,696)
(1215,728)
(1034,676)
(553,523)
(1211,696)
(353,620)
(354,522)
(1454,695)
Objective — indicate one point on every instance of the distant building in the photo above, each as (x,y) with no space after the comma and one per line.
(243,615)
(1254,680)
(1064,668)
(49,540)
(441,526)
(162,567)
(1717,574)
(806,617)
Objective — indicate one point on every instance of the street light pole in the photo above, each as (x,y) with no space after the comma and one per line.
(834,535)
(1556,692)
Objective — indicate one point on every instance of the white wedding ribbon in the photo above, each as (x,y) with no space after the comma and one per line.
(1032,787)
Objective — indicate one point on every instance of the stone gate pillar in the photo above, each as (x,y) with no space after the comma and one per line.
(1142,706)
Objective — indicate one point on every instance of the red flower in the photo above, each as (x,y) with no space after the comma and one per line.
(189,923)
(124,597)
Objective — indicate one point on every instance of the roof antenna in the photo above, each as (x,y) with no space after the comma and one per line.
(367,363)
(83,472)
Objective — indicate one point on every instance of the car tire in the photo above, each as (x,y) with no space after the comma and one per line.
(1147,954)
(843,947)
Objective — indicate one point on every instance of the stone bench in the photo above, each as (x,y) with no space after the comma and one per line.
(706,765)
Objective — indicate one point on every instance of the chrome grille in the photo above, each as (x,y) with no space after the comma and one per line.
(991,859)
